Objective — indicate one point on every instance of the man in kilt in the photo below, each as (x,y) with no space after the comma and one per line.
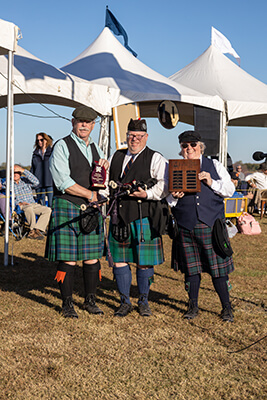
(71,166)
(196,213)
(139,215)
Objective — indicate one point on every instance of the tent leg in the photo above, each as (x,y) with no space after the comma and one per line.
(8,149)
(104,136)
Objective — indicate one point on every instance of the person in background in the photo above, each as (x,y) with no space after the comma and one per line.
(24,182)
(71,164)
(241,175)
(40,167)
(3,207)
(196,214)
(140,214)
(258,181)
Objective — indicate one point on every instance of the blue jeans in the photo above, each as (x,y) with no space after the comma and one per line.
(45,191)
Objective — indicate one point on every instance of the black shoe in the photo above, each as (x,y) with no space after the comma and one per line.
(192,311)
(227,313)
(123,310)
(144,310)
(68,309)
(90,305)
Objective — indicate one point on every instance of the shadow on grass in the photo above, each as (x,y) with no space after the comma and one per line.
(34,273)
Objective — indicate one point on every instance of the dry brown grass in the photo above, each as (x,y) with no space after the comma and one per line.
(44,356)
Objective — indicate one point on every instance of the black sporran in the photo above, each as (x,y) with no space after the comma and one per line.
(89,220)
(120,232)
(172,227)
(220,239)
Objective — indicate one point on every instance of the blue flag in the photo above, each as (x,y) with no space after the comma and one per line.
(113,24)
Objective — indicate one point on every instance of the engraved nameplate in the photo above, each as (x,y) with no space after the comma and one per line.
(183,176)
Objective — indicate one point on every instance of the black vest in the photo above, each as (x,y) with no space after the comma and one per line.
(205,206)
(80,170)
(128,208)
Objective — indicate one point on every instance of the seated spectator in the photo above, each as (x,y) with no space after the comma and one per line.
(258,181)
(235,179)
(23,186)
(241,175)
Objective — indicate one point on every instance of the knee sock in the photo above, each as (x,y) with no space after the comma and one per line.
(222,288)
(90,277)
(65,279)
(123,276)
(143,277)
(192,284)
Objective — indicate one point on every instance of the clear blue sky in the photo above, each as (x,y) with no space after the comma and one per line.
(166,35)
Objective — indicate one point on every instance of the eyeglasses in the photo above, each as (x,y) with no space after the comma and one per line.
(137,137)
(40,140)
(185,145)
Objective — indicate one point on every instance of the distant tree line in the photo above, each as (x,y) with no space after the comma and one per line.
(247,168)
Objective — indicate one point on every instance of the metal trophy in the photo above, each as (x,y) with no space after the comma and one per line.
(98,177)
(183,176)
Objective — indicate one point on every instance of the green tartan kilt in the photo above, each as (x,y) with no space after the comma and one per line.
(65,241)
(149,252)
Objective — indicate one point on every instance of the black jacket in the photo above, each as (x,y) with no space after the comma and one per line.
(40,167)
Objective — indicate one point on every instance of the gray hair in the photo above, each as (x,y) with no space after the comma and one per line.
(202,148)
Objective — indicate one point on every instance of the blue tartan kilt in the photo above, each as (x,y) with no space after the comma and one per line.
(192,253)
(149,252)
(65,241)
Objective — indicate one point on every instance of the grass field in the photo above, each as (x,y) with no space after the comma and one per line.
(44,356)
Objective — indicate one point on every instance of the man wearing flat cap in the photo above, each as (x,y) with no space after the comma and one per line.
(71,165)
(196,213)
(138,216)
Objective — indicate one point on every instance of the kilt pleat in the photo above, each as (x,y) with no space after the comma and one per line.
(192,253)
(149,252)
(65,241)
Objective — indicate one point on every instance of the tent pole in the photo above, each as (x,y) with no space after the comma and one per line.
(8,151)
(223,138)
(104,135)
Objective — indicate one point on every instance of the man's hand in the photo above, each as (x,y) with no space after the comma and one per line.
(18,168)
(140,193)
(23,203)
(103,163)
(95,197)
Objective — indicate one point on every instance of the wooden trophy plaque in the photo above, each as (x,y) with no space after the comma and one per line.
(183,176)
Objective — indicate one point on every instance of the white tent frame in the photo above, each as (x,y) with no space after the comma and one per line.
(8,44)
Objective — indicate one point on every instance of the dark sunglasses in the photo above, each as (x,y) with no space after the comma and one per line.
(40,140)
(192,144)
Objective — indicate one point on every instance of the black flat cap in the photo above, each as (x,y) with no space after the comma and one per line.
(137,125)
(189,136)
(84,113)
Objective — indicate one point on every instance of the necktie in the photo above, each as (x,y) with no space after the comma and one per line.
(128,166)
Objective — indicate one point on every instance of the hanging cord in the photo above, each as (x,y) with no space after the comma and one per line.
(247,347)
(35,101)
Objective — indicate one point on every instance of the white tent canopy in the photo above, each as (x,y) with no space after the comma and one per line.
(35,81)
(215,74)
(8,37)
(107,62)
